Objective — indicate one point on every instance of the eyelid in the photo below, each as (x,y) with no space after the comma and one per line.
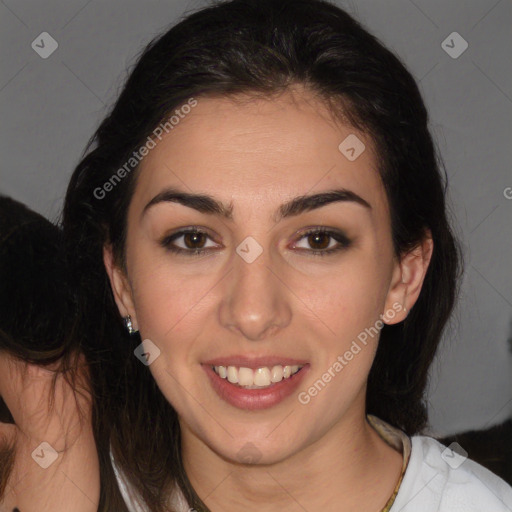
(339,236)
(343,241)
(167,239)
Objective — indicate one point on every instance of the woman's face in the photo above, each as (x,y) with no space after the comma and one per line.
(264,294)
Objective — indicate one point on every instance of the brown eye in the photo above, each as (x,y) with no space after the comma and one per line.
(319,240)
(193,240)
(193,243)
(322,242)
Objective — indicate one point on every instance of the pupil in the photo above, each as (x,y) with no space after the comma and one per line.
(194,237)
(317,236)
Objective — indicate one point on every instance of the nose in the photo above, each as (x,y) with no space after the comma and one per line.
(256,300)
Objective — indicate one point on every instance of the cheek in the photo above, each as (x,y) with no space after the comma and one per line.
(174,302)
(172,311)
(173,305)
(348,302)
(167,304)
(350,297)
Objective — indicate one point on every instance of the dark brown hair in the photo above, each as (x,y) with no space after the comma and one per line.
(37,307)
(261,48)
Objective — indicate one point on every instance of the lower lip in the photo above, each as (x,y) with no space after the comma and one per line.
(255,399)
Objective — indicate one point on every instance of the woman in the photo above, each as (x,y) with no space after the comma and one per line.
(47,455)
(259,234)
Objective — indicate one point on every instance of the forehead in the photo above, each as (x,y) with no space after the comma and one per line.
(260,151)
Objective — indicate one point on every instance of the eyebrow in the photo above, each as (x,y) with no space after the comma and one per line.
(207,204)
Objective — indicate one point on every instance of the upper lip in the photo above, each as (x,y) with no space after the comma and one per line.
(254,362)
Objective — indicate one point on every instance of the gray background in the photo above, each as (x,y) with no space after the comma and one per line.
(50,107)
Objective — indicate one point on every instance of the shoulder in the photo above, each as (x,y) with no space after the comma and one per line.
(439,479)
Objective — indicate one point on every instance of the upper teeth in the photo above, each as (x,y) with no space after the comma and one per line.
(261,377)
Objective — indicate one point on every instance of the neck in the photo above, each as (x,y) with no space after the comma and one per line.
(349,468)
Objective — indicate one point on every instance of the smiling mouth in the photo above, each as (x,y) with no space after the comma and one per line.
(260,378)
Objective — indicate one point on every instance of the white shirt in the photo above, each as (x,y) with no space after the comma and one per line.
(436,479)
(431,484)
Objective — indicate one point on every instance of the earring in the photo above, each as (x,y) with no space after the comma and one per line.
(128,325)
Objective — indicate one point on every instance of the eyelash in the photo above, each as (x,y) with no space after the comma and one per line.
(342,240)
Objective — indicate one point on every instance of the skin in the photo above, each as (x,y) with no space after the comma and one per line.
(255,155)
(72,481)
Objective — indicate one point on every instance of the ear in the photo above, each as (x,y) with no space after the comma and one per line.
(120,285)
(408,276)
